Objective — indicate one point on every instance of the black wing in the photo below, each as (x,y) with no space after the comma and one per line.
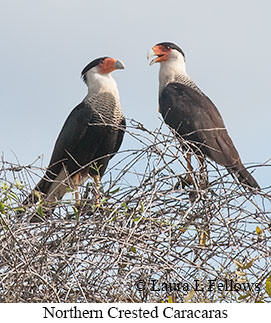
(194,116)
(70,137)
(72,132)
(121,131)
(196,119)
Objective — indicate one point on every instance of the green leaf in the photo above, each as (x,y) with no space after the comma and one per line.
(19,209)
(18,184)
(268,285)
(133,249)
(14,196)
(39,211)
(123,204)
(2,208)
(114,191)
(103,200)
(76,213)
(4,186)
(5,199)
(142,207)
(37,194)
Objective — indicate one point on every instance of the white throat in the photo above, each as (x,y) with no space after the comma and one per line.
(170,70)
(98,83)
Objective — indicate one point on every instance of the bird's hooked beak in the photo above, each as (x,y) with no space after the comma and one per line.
(110,64)
(119,65)
(161,53)
(150,54)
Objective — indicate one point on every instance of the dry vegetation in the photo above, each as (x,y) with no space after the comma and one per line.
(150,240)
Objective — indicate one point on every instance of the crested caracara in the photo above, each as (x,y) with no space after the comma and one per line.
(90,137)
(193,116)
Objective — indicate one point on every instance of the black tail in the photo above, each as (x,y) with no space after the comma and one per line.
(244,177)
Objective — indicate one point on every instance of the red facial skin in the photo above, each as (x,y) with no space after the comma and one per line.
(108,65)
(162,53)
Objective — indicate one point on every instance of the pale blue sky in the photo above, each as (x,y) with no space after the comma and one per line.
(45,45)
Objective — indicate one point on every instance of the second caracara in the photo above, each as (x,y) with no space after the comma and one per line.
(90,137)
(187,110)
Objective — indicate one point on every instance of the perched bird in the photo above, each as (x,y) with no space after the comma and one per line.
(187,110)
(90,137)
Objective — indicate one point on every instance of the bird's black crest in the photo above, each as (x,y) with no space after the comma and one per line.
(92,64)
(172,46)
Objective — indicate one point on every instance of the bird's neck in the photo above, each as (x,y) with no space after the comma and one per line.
(170,71)
(175,72)
(98,83)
